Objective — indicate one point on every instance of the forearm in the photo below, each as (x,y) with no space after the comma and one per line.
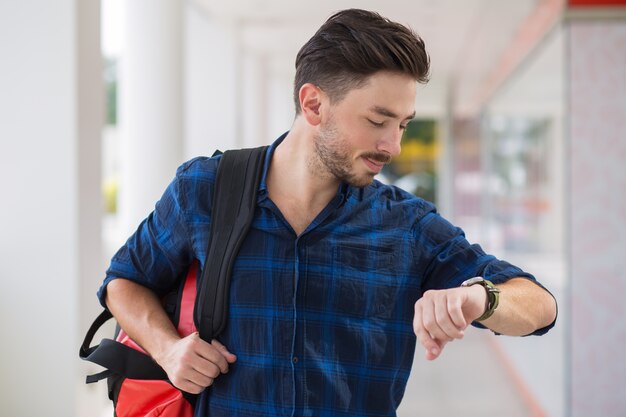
(139,312)
(524,307)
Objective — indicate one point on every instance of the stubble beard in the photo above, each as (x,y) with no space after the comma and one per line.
(332,158)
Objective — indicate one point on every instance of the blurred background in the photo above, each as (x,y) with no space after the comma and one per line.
(519,139)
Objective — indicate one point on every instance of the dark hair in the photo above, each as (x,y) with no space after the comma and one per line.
(354,44)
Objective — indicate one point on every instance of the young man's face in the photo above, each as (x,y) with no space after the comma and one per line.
(362,132)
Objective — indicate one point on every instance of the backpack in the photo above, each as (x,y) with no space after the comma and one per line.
(137,385)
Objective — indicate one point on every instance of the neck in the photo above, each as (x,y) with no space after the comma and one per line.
(296,177)
(296,170)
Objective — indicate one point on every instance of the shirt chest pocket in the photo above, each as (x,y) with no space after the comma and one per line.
(364,284)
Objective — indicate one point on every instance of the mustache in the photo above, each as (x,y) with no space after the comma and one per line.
(378,157)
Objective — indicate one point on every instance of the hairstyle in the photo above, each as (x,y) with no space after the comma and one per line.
(351,46)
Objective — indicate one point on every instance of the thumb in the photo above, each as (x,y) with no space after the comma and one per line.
(230,358)
(434,352)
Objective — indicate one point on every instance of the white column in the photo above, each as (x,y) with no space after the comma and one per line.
(150,105)
(281,112)
(90,103)
(211,83)
(50,120)
(267,107)
(254,107)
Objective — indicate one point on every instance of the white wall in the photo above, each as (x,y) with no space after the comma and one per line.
(597,214)
(49,216)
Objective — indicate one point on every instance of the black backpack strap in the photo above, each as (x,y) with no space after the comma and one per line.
(237,182)
(116,357)
(236,186)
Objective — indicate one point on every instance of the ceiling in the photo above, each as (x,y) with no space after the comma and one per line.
(465,38)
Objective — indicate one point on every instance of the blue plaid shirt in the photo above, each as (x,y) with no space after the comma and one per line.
(321,323)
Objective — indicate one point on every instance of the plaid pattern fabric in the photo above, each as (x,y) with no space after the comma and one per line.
(321,323)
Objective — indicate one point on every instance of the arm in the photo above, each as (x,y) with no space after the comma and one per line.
(525,307)
(443,315)
(190,363)
(159,251)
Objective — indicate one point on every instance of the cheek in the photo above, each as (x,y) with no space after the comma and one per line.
(364,139)
(356,136)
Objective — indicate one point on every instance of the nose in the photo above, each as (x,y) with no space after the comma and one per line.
(390,143)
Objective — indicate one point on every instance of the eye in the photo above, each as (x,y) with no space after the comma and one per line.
(402,127)
(377,124)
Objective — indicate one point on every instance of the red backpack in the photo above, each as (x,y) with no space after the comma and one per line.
(138,386)
(157,397)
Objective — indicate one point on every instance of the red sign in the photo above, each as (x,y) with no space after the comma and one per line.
(596,3)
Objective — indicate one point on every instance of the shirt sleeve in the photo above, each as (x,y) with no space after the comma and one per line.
(158,254)
(451,259)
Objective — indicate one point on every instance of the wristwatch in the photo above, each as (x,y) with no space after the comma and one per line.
(493,295)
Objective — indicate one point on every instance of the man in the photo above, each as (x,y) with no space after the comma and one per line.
(338,272)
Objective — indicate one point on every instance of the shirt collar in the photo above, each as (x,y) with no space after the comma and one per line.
(344,191)
(268,159)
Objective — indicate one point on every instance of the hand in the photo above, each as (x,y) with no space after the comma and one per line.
(443,315)
(193,364)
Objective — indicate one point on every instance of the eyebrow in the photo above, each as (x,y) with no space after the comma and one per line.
(388,113)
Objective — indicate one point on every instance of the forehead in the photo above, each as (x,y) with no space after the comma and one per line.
(392,91)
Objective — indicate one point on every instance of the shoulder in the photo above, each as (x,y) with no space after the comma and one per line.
(200,167)
(194,183)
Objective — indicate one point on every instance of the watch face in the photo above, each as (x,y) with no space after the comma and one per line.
(472,281)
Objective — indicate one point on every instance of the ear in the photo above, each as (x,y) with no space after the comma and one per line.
(311,97)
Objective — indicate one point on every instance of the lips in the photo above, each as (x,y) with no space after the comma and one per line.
(374,166)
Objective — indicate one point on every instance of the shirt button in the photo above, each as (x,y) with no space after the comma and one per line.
(295,359)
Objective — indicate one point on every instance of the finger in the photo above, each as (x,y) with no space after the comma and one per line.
(186,385)
(429,320)
(425,338)
(199,379)
(211,354)
(191,361)
(455,309)
(443,319)
(205,368)
(434,353)
(230,357)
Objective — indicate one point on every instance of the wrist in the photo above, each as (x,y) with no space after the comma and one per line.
(479,294)
(491,295)
(161,350)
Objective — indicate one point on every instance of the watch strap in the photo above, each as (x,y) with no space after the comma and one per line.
(493,295)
